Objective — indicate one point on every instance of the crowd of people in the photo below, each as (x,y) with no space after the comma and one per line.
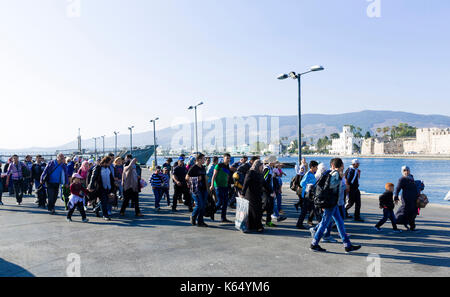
(206,185)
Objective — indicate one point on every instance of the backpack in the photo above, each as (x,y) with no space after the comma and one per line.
(295,183)
(419,185)
(323,194)
(238,178)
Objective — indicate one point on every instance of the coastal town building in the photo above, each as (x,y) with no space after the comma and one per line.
(381,146)
(429,141)
(345,144)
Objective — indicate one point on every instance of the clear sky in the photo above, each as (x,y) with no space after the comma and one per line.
(123,62)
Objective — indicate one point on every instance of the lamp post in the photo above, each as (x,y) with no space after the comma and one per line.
(115,143)
(196,131)
(95,148)
(296,76)
(154,139)
(131,139)
(103,140)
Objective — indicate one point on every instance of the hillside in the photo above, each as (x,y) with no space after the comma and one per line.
(313,125)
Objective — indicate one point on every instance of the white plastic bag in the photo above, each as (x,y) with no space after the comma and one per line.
(241,222)
(447,198)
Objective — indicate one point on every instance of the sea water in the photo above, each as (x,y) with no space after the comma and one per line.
(376,172)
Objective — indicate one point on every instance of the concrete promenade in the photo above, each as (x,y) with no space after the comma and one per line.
(34,243)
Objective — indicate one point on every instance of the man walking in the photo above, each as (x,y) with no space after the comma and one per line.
(352,176)
(15,173)
(36,172)
(54,175)
(180,185)
(220,182)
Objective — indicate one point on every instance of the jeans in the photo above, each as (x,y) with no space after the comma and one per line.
(158,195)
(165,193)
(200,199)
(222,200)
(52,194)
(103,195)
(18,189)
(328,214)
(306,207)
(387,214)
(277,204)
(128,195)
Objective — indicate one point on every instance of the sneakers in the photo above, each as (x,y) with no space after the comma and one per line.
(329,239)
(193,223)
(107,218)
(69,220)
(85,220)
(281,218)
(378,229)
(317,248)
(270,224)
(202,225)
(352,248)
(312,231)
(397,231)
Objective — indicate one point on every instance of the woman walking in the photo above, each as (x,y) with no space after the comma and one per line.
(130,182)
(407,212)
(252,191)
(102,182)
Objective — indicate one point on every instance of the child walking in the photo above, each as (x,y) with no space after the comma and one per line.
(165,188)
(77,198)
(157,182)
(387,204)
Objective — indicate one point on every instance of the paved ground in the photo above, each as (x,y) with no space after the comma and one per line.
(164,244)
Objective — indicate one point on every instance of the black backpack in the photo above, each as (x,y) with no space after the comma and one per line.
(295,182)
(323,194)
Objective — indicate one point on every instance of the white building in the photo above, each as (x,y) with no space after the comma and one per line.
(429,141)
(344,145)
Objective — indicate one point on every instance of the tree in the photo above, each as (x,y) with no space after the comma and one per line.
(368,135)
(334,136)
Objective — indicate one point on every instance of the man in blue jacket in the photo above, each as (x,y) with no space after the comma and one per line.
(308,179)
(54,175)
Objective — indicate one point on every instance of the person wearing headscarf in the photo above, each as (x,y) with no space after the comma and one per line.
(252,191)
(407,212)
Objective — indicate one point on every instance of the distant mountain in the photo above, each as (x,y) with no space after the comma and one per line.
(313,126)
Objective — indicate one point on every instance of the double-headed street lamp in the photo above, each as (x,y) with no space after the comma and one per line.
(296,76)
(196,131)
(131,139)
(115,142)
(154,139)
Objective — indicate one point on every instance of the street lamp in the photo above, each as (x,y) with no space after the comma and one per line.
(296,76)
(131,139)
(196,132)
(103,139)
(154,139)
(95,147)
(115,142)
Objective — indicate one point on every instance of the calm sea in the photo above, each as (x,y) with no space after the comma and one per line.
(376,172)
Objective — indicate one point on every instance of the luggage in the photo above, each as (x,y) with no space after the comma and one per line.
(422,201)
(241,222)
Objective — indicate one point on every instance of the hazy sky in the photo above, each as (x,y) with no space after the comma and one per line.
(122,62)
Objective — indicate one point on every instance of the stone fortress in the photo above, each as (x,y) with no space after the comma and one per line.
(428,141)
